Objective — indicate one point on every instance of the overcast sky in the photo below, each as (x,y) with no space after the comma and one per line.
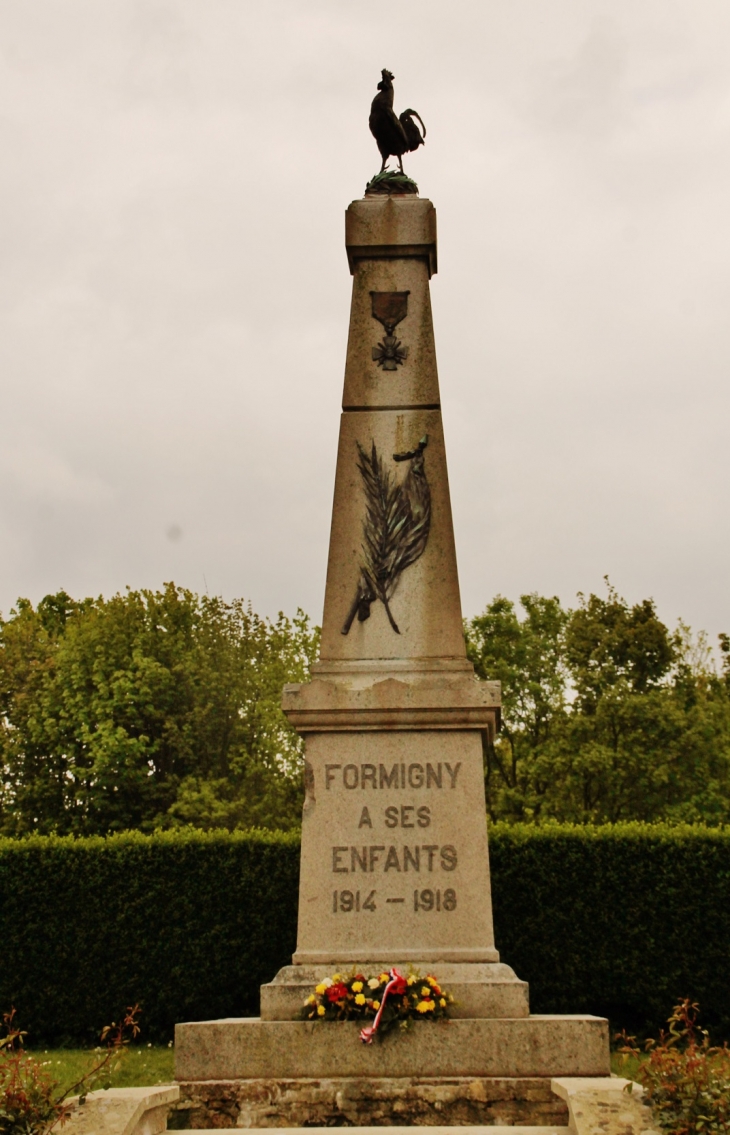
(174,291)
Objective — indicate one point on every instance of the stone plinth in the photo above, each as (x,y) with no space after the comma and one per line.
(250,1073)
(480,990)
(249,1048)
(394,860)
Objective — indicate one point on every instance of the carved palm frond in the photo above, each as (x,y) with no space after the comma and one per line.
(395,528)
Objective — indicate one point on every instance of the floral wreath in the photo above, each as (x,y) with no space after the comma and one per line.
(388,1000)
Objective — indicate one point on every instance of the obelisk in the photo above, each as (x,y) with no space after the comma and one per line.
(394,859)
(394,839)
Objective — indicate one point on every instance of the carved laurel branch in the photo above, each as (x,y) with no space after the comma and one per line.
(395,528)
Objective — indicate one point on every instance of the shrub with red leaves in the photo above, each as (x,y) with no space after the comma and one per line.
(31,1103)
(686,1078)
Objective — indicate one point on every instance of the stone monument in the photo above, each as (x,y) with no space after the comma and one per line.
(394,860)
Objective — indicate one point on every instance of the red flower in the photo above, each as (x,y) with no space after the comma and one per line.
(337,992)
(399,985)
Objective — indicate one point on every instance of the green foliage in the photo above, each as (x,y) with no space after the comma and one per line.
(687,1080)
(146,1065)
(34,1103)
(618,920)
(527,658)
(391,181)
(388,1000)
(607,715)
(148,710)
(187,923)
(161,709)
(27,1097)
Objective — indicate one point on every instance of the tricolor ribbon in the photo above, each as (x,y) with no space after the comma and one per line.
(396,985)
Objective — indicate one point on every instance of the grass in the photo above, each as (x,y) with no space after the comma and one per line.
(626,1066)
(142,1066)
(145,1065)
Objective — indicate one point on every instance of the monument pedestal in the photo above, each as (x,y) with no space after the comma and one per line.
(394,860)
(291,1074)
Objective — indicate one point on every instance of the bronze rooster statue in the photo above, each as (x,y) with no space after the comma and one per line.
(395,135)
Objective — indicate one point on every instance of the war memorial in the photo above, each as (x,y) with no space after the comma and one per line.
(394,858)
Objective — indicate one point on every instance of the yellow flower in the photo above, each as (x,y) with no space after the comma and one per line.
(336,977)
(442,1002)
(360,999)
(424,1006)
(376,1005)
(412,980)
(356,987)
(320,1010)
(374,983)
(320,988)
(383,977)
(425,992)
(310,1000)
(431,980)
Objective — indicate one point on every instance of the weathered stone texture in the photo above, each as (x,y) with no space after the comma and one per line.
(479,990)
(121,1111)
(606,1105)
(395,865)
(248,1048)
(378,1102)
(442,828)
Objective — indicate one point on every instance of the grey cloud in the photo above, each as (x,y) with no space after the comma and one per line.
(174,292)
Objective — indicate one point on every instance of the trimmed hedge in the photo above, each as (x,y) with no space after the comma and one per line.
(620,920)
(617,920)
(189,924)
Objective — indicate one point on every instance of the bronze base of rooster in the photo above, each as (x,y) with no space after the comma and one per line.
(390,182)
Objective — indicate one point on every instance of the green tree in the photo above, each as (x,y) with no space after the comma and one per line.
(526,656)
(608,715)
(149,709)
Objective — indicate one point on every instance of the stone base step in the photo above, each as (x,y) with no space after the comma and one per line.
(480,989)
(606,1104)
(423,1101)
(249,1048)
(399,1130)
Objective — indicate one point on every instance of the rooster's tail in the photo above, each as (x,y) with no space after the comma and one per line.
(413,134)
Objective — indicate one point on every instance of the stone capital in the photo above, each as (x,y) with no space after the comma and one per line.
(393,701)
(382,228)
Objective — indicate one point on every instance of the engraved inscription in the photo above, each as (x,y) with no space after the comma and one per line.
(399,775)
(407,816)
(433,900)
(400,848)
(378,857)
(345,902)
